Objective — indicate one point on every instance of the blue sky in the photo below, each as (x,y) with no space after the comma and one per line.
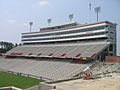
(15,15)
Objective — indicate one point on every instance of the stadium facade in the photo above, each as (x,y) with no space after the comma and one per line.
(87,35)
(61,52)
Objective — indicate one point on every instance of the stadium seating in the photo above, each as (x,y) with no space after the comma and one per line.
(61,50)
(51,70)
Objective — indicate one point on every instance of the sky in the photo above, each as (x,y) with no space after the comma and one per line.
(15,15)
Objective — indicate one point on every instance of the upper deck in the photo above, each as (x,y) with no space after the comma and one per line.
(68,26)
(72,32)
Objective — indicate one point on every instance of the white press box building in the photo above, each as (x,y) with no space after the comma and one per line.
(71,41)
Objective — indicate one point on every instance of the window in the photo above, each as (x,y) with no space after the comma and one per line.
(111,38)
(112,32)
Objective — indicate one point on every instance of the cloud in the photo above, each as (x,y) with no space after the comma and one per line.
(11,21)
(43,3)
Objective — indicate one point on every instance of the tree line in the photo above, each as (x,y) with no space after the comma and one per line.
(6,46)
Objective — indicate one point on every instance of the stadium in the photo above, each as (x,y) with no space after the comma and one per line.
(61,52)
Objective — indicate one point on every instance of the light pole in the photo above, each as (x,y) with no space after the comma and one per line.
(90,7)
(97,10)
(49,21)
(30,23)
(71,17)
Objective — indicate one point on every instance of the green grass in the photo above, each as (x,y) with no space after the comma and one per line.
(8,79)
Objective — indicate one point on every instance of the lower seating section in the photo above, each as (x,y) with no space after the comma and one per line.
(52,70)
(61,50)
(48,69)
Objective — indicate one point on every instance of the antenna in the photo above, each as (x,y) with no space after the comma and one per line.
(30,23)
(71,17)
(49,21)
(97,10)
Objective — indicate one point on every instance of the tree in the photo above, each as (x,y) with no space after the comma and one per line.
(5,46)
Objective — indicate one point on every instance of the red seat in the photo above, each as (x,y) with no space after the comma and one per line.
(63,55)
(78,55)
(50,54)
(16,53)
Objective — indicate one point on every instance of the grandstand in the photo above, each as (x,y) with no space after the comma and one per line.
(54,50)
(46,70)
(73,51)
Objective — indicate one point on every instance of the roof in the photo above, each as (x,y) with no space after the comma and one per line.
(76,26)
(65,24)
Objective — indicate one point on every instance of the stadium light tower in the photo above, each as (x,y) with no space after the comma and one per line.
(49,21)
(30,23)
(90,8)
(71,17)
(97,10)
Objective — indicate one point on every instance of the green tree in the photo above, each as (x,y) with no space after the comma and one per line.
(5,46)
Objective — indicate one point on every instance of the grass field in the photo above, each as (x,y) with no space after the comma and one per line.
(8,79)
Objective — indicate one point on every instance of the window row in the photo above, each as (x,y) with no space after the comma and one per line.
(67,32)
(75,36)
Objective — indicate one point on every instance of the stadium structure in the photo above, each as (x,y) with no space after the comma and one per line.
(62,51)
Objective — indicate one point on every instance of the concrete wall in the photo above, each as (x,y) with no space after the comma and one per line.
(33,88)
(42,86)
(114,59)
